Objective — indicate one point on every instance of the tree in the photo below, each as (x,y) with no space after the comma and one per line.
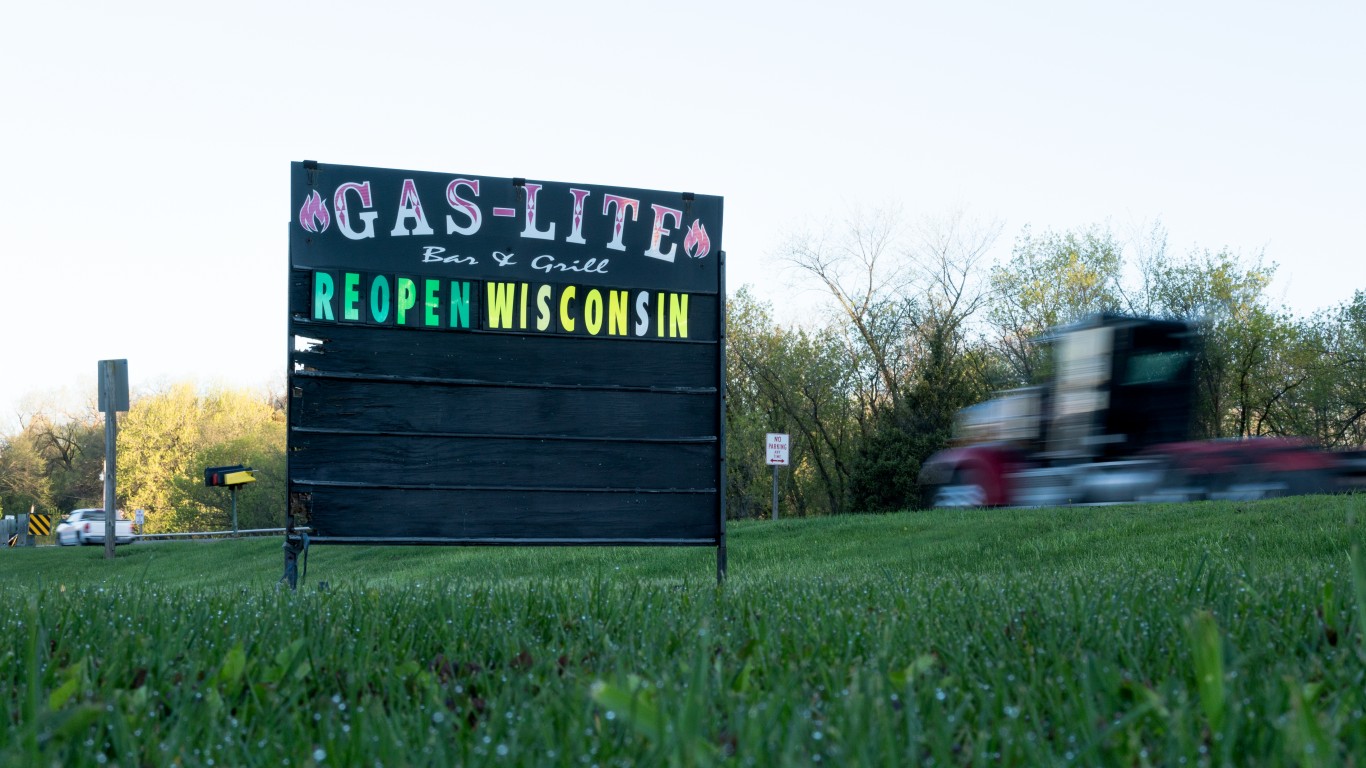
(167,440)
(1225,299)
(905,297)
(1051,280)
(23,478)
(794,381)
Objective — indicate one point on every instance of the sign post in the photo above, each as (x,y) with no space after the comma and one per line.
(113,397)
(233,477)
(775,444)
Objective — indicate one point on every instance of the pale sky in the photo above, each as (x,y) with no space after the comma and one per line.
(144,194)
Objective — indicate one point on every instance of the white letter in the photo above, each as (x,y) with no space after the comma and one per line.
(410,207)
(623,204)
(453,197)
(642,313)
(344,220)
(576,224)
(549,234)
(659,232)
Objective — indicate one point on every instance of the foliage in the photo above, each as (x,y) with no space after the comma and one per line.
(906,297)
(24,483)
(1051,280)
(1207,633)
(56,462)
(169,438)
(794,382)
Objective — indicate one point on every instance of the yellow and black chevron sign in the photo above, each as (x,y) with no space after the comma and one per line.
(39,524)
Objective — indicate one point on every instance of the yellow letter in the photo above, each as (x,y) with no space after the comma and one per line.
(501,298)
(616,313)
(592,312)
(543,308)
(678,315)
(566,322)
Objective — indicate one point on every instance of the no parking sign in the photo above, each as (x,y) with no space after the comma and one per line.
(776,445)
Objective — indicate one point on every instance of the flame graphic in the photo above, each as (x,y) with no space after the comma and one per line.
(697,244)
(313,215)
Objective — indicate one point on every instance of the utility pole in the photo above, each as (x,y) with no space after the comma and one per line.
(113,398)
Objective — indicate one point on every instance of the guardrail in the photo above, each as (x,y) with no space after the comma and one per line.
(218,534)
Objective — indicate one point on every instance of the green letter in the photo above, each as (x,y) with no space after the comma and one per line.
(430,316)
(351,296)
(379,299)
(322,296)
(407,299)
(460,304)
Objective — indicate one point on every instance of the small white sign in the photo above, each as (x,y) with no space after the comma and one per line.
(139,515)
(775,444)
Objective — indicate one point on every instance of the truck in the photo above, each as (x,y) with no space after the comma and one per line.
(1112,424)
(86,526)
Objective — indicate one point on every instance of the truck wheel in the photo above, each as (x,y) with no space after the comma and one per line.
(963,490)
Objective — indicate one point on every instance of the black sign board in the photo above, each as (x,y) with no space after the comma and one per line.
(481,360)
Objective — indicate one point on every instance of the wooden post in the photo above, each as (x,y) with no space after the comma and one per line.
(775,491)
(111,432)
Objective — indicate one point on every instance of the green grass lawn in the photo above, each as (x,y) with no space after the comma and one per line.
(1210,633)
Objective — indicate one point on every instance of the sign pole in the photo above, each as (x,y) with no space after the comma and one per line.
(775,491)
(721,473)
(776,449)
(234,510)
(111,430)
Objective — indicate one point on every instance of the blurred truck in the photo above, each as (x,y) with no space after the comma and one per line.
(86,526)
(1112,424)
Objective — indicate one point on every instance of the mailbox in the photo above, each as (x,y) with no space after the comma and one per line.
(230,477)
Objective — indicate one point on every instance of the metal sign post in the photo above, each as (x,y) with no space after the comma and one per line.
(113,398)
(775,445)
(233,477)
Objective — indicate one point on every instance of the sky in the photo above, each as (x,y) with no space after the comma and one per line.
(144,188)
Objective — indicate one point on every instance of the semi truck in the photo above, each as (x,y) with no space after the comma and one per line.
(1112,424)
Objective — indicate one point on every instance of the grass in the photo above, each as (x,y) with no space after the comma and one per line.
(1210,633)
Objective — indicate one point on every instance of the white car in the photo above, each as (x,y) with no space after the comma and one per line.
(86,526)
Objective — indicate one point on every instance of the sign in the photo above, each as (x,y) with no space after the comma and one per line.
(485,360)
(140,518)
(113,377)
(775,444)
(39,524)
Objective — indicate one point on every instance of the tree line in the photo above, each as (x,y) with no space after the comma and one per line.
(919,325)
(55,462)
